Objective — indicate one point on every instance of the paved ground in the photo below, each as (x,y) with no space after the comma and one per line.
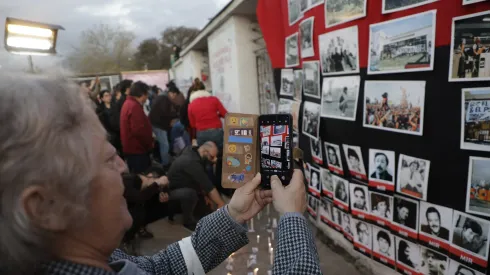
(166,233)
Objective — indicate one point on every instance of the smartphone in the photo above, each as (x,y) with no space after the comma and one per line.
(276,150)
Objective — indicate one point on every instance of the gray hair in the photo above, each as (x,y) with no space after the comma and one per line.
(46,139)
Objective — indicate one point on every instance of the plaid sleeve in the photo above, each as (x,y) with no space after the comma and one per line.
(216,237)
(296,250)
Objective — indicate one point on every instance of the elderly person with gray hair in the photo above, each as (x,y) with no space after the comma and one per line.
(62,209)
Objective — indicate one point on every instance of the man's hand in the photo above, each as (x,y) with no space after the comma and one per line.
(291,198)
(163,197)
(162,181)
(248,201)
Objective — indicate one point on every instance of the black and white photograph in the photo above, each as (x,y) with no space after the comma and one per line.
(265,130)
(292,51)
(311,119)
(314,186)
(339,97)
(327,182)
(275,152)
(265,141)
(287,82)
(341,193)
(475,119)
(381,209)
(294,11)
(390,6)
(359,201)
(435,224)
(339,51)
(469,240)
(337,219)
(312,207)
(311,79)
(403,45)
(383,247)
(478,186)
(406,218)
(298,85)
(265,149)
(470,48)
(276,141)
(316,150)
(334,161)
(396,106)
(306,37)
(284,106)
(468,2)
(413,177)
(432,262)
(355,162)
(382,169)
(407,256)
(340,11)
(325,211)
(346,226)
(362,236)
(461,269)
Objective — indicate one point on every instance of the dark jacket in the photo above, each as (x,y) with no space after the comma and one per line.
(136,131)
(443,232)
(188,171)
(163,111)
(383,176)
(106,117)
(116,113)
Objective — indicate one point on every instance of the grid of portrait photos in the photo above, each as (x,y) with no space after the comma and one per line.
(274,144)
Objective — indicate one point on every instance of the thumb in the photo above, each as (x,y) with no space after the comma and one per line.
(253,184)
(276,184)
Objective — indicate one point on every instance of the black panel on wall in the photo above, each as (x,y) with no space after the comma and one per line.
(440,142)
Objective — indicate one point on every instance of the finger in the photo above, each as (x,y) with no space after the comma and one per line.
(265,193)
(260,201)
(253,184)
(297,179)
(276,184)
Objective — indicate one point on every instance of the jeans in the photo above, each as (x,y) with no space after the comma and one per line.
(162,138)
(214,135)
(178,130)
(138,164)
(188,200)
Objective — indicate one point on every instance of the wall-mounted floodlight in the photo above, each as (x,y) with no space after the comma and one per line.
(30,38)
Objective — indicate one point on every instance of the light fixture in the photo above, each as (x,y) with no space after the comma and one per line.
(30,38)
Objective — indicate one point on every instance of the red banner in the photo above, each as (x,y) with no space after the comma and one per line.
(361,248)
(336,170)
(406,270)
(404,231)
(383,259)
(380,221)
(312,213)
(381,185)
(468,258)
(342,206)
(360,215)
(328,193)
(318,160)
(314,192)
(434,243)
(358,176)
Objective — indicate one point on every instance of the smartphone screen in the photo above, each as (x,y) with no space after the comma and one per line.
(275,148)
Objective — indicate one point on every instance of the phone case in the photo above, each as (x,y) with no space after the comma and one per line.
(241,150)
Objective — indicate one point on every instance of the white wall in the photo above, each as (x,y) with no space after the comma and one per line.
(189,67)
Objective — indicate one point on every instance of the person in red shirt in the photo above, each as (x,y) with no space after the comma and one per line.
(136,131)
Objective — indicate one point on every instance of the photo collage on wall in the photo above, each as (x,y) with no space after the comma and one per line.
(274,144)
(382,202)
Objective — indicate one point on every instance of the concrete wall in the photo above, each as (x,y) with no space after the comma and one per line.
(189,67)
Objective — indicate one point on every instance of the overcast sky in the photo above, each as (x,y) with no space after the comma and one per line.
(146,18)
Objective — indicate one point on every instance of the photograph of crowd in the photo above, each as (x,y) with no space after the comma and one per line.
(355,162)
(413,176)
(478,187)
(432,262)
(470,237)
(287,82)
(298,85)
(306,37)
(341,11)
(470,48)
(399,5)
(339,51)
(382,169)
(435,224)
(339,97)
(284,106)
(461,269)
(383,247)
(402,45)
(334,160)
(396,106)
(327,182)
(311,79)
(475,119)
(407,256)
(311,119)
(292,50)
(316,150)
(294,11)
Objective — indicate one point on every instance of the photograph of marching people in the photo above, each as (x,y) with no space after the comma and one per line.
(306,37)
(327,182)
(432,262)
(396,106)
(314,186)
(311,119)
(403,45)
(311,79)
(435,224)
(325,211)
(292,50)
(337,219)
(316,150)
(346,227)
(287,82)
(359,201)
(383,247)
(406,218)
(339,51)
(469,240)
(284,106)
(341,11)
(399,5)
(355,162)
(362,236)
(470,51)
(456,268)
(381,209)
(339,97)
(294,11)
(478,187)
(413,177)
(341,193)
(298,85)
(407,256)
(475,119)
(334,160)
(382,170)
(312,206)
